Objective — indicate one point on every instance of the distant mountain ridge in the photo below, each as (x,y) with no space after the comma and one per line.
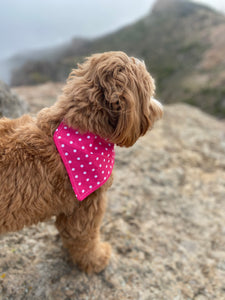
(182,43)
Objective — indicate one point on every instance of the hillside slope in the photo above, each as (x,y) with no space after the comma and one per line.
(182,43)
(165,221)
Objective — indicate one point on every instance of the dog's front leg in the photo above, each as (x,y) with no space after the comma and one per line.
(80,233)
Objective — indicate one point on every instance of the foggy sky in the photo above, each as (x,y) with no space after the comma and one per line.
(26,24)
(34,24)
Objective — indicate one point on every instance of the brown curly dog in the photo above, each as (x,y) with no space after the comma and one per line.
(109,95)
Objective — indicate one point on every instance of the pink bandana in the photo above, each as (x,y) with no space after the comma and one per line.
(88,159)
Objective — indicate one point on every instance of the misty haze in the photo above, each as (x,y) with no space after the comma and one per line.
(27,26)
(35,25)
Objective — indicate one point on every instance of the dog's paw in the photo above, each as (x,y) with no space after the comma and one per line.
(96,260)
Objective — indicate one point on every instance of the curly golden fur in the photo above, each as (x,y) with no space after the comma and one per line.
(109,95)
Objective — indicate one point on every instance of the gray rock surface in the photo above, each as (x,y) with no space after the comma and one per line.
(165,221)
(10,105)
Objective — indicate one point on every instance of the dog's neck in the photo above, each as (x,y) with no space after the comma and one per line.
(48,119)
(71,113)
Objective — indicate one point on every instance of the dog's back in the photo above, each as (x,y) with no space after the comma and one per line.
(8,126)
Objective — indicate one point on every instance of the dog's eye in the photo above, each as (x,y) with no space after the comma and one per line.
(117,105)
(121,69)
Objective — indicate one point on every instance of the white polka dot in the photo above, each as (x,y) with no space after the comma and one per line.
(93,170)
(83,191)
(104,159)
(75,150)
(66,153)
(102,153)
(96,176)
(65,127)
(79,183)
(70,161)
(62,145)
(106,149)
(76,132)
(71,142)
(86,155)
(104,178)
(90,145)
(68,134)
(97,158)
(88,137)
(79,139)
(90,163)
(87,179)
(76,176)
(78,158)
(73,169)
(100,143)
(90,186)
(57,129)
(59,137)
(109,145)
(106,166)
(81,166)
(84,172)
(96,137)
(103,172)
(98,182)
(100,165)
(82,147)
(108,172)
(91,152)
(96,148)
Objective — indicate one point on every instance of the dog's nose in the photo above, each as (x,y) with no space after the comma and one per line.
(159,104)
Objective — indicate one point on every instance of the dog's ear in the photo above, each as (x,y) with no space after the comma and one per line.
(125,90)
(117,100)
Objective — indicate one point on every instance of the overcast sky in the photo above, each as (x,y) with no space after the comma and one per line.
(33,24)
(218,4)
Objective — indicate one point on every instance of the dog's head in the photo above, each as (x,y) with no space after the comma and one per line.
(111,95)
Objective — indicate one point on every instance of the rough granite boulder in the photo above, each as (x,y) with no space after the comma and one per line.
(165,221)
(10,105)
